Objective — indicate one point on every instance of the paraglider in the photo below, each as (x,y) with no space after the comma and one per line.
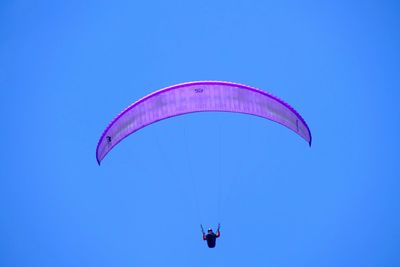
(211,237)
(201,96)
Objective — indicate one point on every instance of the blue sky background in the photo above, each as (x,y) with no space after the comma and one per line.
(68,67)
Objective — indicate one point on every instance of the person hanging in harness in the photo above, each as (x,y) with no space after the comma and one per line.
(211,237)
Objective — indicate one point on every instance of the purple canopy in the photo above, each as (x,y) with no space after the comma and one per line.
(199,97)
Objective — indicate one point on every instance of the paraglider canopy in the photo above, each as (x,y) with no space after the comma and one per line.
(199,96)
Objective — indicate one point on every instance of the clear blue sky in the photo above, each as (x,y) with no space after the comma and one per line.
(68,67)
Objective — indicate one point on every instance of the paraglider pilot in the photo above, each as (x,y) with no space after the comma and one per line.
(211,237)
